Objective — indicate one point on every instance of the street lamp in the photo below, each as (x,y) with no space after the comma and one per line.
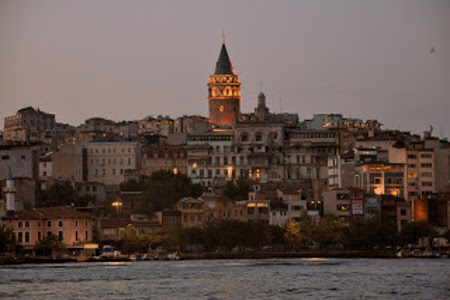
(117,204)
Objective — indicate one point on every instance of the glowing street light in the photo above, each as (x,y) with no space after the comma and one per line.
(117,204)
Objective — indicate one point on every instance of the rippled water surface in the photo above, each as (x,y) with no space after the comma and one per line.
(231,279)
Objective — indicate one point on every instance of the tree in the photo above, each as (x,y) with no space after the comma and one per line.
(50,245)
(306,225)
(292,235)
(328,230)
(258,234)
(277,234)
(237,190)
(358,235)
(411,232)
(163,189)
(62,193)
(8,242)
(130,241)
(132,185)
(167,238)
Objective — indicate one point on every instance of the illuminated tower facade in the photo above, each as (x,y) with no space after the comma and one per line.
(224,91)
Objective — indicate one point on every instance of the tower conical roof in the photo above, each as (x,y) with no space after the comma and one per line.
(223,65)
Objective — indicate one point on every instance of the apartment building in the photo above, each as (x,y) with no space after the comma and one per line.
(106,162)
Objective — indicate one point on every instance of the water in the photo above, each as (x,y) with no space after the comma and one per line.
(231,279)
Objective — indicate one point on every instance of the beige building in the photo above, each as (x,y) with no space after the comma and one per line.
(106,162)
(161,125)
(196,212)
(71,226)
(67,163)
(169,158)
(27,125)
(294,205)
(338,202)
(420,170)
(381,179)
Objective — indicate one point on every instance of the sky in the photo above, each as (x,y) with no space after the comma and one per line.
(125,60)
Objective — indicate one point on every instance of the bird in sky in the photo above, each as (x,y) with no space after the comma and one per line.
(432,50)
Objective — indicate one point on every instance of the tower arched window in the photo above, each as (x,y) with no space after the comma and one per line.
(20,224)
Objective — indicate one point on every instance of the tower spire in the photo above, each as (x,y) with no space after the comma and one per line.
(223,36)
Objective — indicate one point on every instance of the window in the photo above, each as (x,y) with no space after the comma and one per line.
(114,171)
(427,183)
(427,174)
(76,223)
(60,235)
(39,224)
(86,234)
(403,212)
(412,156)
(129,160)
(20,224)
(426,165)
(343,207)
(60,224)
(258,137)
(27,224)
(27,237)
(49,233)
(425,155)
(39,236)
(20,237)
(244,138)
(49,223)
(412,165)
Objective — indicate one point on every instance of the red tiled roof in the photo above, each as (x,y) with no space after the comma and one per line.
(50,212)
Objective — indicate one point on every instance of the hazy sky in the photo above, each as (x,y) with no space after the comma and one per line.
(129,59)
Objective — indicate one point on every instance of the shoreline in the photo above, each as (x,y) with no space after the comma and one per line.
(374,254)
(213,255)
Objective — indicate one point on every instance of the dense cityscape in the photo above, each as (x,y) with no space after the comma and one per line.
(232,182)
